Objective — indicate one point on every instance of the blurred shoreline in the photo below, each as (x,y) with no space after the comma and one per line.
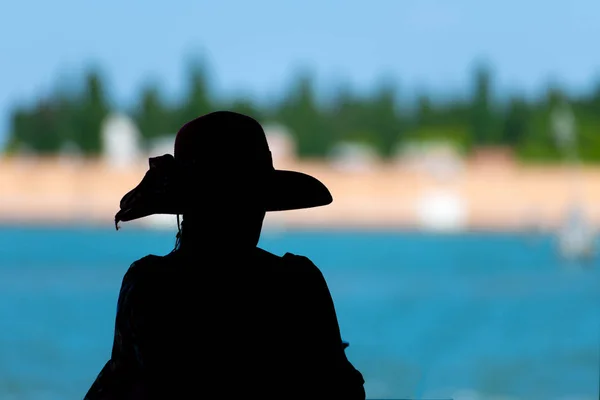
(501,196)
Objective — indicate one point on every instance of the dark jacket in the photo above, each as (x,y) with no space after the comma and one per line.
(211,329)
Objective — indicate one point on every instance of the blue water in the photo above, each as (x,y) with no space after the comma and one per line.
(426,315)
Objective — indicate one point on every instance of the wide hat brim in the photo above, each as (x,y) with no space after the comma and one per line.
(292,190)
(284,190)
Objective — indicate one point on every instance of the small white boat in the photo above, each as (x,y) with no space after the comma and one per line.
(442,211)
(576,238)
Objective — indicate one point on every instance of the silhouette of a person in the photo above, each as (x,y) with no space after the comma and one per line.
(218,317)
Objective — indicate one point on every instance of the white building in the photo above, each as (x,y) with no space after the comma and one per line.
(435,158)
(121,141)
(353,157)
(281,142)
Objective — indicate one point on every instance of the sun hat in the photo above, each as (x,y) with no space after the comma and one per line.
(214,155)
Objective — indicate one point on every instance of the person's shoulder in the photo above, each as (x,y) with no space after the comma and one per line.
(302,264)
(294,264)
(288,260)
(299,260)
(144,265)
(147,261)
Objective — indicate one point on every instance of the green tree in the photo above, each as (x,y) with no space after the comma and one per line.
(244,105)
(38,129)
(539,144)
(384,118)
(482,126)
(93,109)
(346,116)
(197,100)
(516,122)
(153,116)
(425,113)
(303,116)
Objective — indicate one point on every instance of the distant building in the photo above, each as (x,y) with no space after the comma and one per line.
(281,142)
(121,141)
(350,156)
(439,159)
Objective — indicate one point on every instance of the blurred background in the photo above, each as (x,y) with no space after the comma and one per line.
(460,140)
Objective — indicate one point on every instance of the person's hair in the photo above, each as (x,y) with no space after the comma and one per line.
(178,236)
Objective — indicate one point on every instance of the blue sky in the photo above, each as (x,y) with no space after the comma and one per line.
(255,46)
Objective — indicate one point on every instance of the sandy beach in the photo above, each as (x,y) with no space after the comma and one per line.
(504,196)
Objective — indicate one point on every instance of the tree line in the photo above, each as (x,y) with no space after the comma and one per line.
(377,119)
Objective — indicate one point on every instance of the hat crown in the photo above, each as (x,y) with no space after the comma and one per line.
(224,140)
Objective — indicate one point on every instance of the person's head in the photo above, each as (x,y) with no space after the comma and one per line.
(222,181)
(223,177)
